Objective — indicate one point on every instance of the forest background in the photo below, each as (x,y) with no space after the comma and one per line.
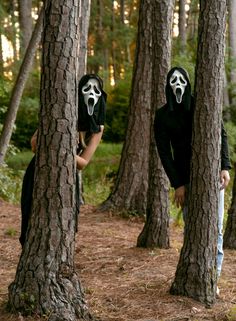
(111,52)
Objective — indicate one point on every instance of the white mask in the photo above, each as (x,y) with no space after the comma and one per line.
(91,92)
(178,84)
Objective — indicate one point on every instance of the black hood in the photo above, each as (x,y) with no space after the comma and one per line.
(85,121)
(170,97)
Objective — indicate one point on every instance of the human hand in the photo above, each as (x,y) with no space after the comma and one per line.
(179,196)
(224,178)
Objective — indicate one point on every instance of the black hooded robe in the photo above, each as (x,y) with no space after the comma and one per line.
(173,134)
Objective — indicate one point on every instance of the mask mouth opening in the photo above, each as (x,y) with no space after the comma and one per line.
(178,94)
(90,106)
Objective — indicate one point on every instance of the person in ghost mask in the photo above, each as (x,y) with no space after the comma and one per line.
(92,102)
(91,118)
(173,134)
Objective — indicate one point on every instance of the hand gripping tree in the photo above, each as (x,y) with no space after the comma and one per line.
(46,281)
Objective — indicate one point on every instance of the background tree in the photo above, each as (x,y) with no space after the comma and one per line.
(130,192)
(182,25)
(156,228)
(18,89)
(26,23)
(46,281)
(196,272)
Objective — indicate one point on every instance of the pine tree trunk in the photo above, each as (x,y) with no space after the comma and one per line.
(84,17)
(26,24)
(230,230)
(156,229)
(46,282)
(18,88)
(130,192)
(196,272)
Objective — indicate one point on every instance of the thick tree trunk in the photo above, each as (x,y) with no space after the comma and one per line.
(19,87)
(130,192)
(196,272)
(46,281)
(26,24)
(230,230)
(156,229)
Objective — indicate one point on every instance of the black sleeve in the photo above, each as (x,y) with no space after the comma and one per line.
(225,161)
(164,149)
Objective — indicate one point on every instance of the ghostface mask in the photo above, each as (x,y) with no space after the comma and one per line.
(91,92)
(178,84)
(92,104)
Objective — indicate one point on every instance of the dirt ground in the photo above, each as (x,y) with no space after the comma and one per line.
(121,282)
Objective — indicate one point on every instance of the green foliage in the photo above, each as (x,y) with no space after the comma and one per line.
(20,160)
(28,301)
(5,89)
(11,181)
(231,133)
(117,111)
(99,175)
(11,232)
(26,122)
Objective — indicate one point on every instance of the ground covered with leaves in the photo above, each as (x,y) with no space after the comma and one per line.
(121,282)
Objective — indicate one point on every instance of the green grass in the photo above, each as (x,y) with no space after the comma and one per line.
(20,161)
(98,176)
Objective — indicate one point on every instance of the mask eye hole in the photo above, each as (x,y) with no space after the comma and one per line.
(87,89)
(96,90)
(182,81)
(172,81)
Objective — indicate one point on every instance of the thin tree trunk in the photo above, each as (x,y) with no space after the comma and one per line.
(46,281)
(26,24)
(19,87)
(156,229)
(84,17)
(1,56)
(182,25)
(196,273)
(130,192)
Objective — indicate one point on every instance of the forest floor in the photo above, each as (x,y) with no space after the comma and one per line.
(121,282)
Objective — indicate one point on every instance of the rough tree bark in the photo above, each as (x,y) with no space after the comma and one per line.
(46,281)
(130,192)
(196,272)
(19,87)
(156,229)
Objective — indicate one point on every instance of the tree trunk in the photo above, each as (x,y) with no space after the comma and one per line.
(196,272)
(84,17)
(1,56)
(46,282)
(192,22)
(13,10)
(19,87)
(182,25)
(230,230)
(232,47)
(156,229)
(26,24)
(130,192)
